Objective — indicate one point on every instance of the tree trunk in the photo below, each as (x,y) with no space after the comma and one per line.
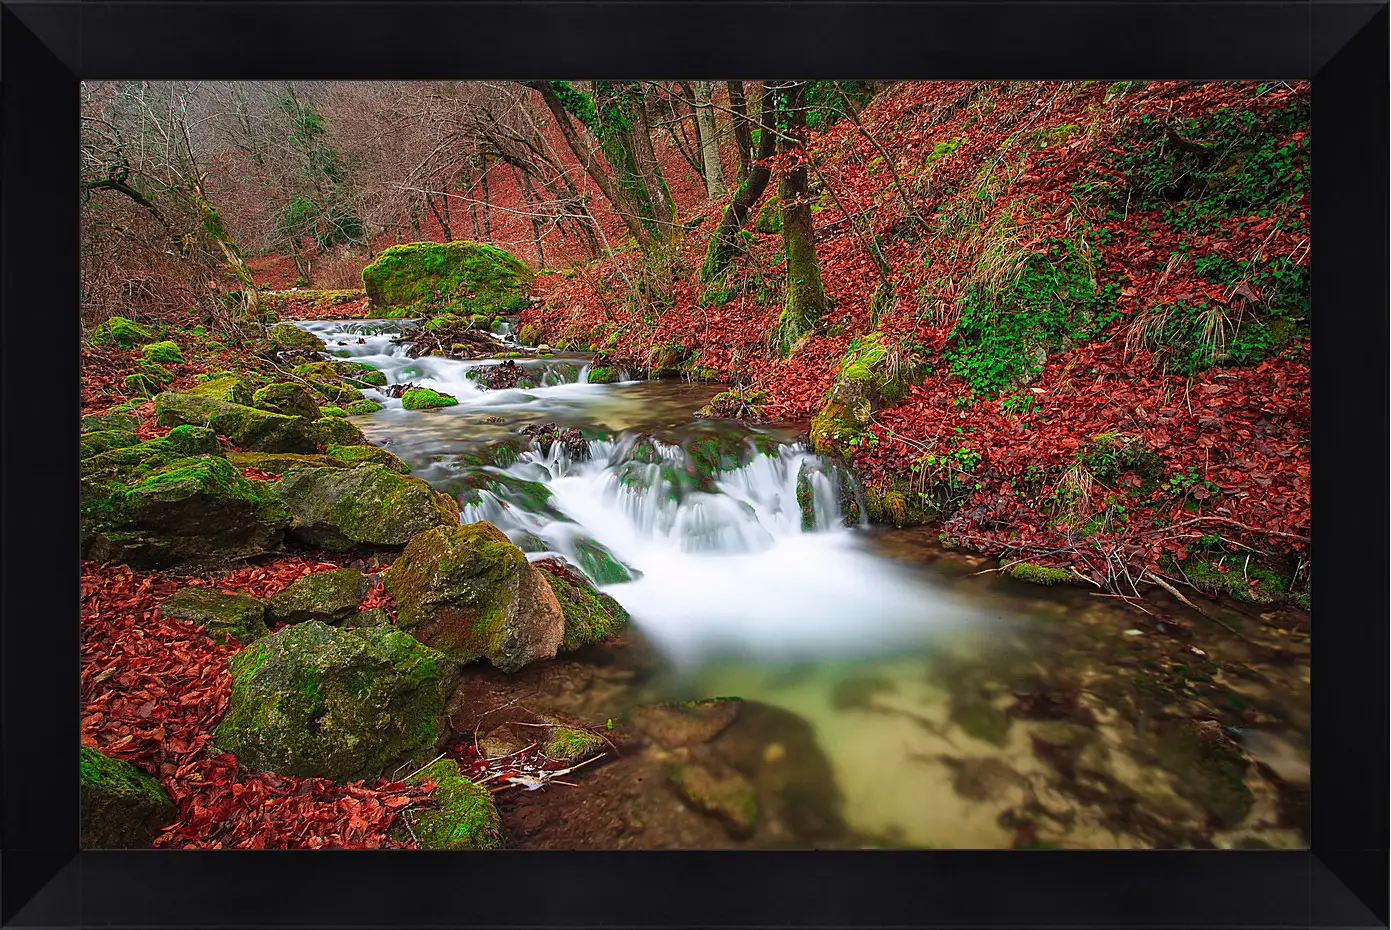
(723,245)
(743,137)
(217,230)
(483,189)
(709,144)
(587,157)
(639,129)
(805,299)
(529,198)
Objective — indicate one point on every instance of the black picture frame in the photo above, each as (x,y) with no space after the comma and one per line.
(47,47)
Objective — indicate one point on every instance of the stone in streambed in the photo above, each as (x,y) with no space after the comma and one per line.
(590,615)
(329,597)
(469,592)
(369,505)
(313,699)
(689,723)
(122,807)
(223,616)
(720,792)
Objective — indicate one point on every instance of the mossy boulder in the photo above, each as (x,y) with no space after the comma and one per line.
(363,407)
(328,596)
(247,427)
(426,399)
(313,699)
(223,616)
(285,397)
(227,387)
(457,277)
(465,818)
(163,353)
(374,616)
(327,390)
(590,616)
(1038,574)
(469,592)
(289,337)
(122,807)
(110,421)
(769,218)
(361,375)
(602,375)
(122,463)
(873,374)
(720,792)
(334,431)
(371,505)
(196,512)
(359,454)
(125,333)
(571,744)
(104,440)
(332,412)
(529,334)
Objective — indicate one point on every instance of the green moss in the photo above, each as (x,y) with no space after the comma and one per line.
(336,431)
(363,407)
(769,218)
(248,427)
(458,277)
(288,398)
(602,375)
(465,818)
(332,412)
(125,333)
(1038,574)
(100,441)
(590,616)
(288,336)
(426,399)
(163,353)
(570,745)
(529,334)
(355,455)
(122,807)
(369,505)
(228,387)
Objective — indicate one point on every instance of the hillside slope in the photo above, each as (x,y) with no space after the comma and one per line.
(1095,352)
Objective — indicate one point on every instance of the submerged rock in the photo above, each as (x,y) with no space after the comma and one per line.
(329,597)
(469,592)
(719,791)
(223,616)
(313,699)
(369,505)
(122,807)
(685,724)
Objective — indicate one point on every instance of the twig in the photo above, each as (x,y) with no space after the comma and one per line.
(1151,576)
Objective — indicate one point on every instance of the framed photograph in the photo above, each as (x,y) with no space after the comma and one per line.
(682,464)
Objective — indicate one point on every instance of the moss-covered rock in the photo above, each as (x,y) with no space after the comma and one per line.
(599,563)
(223,616)
(426,399)
(328,390)
(104,440)
(313,699)
(1038,574)
(529,334)
(571,744)
(769,218)
(334,431)
(465,818)
(602,375)
(872,375)
(248,427)
(288,398)
(355,455)
(122,807)
(279,463)
(230,388)
(289,337)
(328,596)
(122,463)
(374,616)
(590,616)
(363,407)
(163,353)
(458,277)
(689,723)
(110,421)
(469,592)
(125,333)
(720,792)
(369,505)
(332,412)
(192,513)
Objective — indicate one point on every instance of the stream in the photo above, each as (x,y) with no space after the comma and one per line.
(941,704)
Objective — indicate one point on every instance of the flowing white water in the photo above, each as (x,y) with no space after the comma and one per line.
(723,561)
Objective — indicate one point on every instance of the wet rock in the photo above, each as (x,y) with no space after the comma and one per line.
(720,792)
(122,807)
(313,699)
(419,398)
(857,692)
(685,724)
(369,505)
(288,336)
(502,376)
(599,563)
(290,399)
(329,597)
(590,615)
(547,434)
(247,427)
(223,616)
(979,718)
(469,592)
(465,817)
(1208,769)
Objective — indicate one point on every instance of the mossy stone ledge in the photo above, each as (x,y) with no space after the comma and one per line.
(370,505)
(247,427)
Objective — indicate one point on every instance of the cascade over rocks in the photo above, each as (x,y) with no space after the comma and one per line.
(369,505)
(469,592)
(345,704)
